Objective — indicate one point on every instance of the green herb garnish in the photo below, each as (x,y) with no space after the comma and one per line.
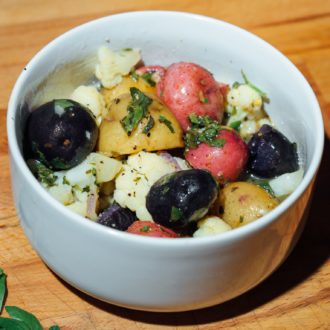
(92,171)
(63,103)
(29,319)
(145,229)
(149,126)
(236,84)
(241,219)
(65,180)
(176,214)
(42,172)
(2,288)
(236,125)
(40,154)
(135,76)
(168,123)
(86,189)
(58,163)
(147,77)
(218,143)
(203,129)
(19,318)
(264,184)
(137,110)
(137,179)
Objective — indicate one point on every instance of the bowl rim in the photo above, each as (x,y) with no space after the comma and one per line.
(232,235)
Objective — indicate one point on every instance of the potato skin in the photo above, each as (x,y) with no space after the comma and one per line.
(114,141)
(188,88)
(225,163)
(244,202)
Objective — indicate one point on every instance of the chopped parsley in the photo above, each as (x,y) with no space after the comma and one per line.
(92,171)
(147,77)
(63,103)
(241,219)
(42,172)
(262,184)
(145,229)
(40,155)
(176,214)
(236,125)
(203,129)
(236,84)
(134,76)
(65,180)
(86,189)
(168,123)
(137,179)
(203,98)
(137,110)
(150,124)
(58,163)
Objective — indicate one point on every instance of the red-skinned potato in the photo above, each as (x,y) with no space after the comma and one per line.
(187,88)
(148,228)
(226,162)
(156,72)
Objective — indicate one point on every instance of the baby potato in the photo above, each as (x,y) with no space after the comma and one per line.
(166,132)
(123,88)
(187,88)
(244,202)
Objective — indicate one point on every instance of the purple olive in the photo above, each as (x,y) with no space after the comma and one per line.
(117,217)
(61,133)
(271,153)
(182,197)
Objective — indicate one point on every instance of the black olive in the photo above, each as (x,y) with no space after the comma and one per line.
(61,133)
(117,217)
(179,198)
(271,153)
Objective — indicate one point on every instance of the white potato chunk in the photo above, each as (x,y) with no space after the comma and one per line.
(286,183)
(211,225)
(106,168)
(245,97)
(90,97)
(78,207)
(95,169)
(62,193)
(113,65)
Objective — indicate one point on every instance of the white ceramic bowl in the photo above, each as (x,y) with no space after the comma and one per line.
(151,273)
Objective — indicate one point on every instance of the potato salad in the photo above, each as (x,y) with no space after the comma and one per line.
(162,151)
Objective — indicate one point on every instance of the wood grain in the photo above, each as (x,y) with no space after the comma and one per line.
(297,296)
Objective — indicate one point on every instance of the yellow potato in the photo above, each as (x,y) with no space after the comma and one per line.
(244,202)
(123,88)
(114,141)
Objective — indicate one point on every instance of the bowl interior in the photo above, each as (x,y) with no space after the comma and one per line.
(167,37)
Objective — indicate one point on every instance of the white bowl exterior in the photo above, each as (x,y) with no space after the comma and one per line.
(163,274)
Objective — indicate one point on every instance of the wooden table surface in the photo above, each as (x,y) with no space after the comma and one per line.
(294,297)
